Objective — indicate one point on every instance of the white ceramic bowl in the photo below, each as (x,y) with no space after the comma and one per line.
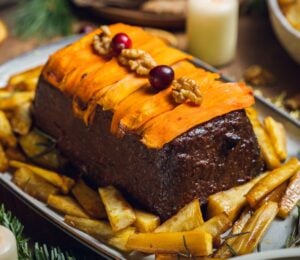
(288,36)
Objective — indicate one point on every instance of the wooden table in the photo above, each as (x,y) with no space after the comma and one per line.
(257,45)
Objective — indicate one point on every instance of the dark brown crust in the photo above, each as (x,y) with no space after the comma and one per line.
(211,157)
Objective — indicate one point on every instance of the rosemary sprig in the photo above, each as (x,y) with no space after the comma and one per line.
(39,252)
(294,238)
(43,18)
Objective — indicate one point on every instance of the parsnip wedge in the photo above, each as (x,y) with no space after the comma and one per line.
(188,218)
(119,212)
(66,205)
(277,134)
(119,239)
(216,225)
(272,180)
(96,228)
(230,201)
(3,160)
(264,140)
(63,182)
(89,200)
(6,134)
(290,197)
(34,185)
(255,228)
(145,222)
(198,243)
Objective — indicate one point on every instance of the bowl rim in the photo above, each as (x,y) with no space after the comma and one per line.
(274,6)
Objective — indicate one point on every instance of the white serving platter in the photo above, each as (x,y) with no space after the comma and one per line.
(272,246)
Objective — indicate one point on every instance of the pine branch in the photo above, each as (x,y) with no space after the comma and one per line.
(40,252)
(43,18)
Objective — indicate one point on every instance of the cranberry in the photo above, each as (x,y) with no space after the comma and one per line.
(161,77)
(121,41)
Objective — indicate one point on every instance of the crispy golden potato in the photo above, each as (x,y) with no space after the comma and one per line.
(216,225)
(275,195)
(6,134)
(66,205)
(89,200)
(188,218)
(145,222)
(3,160)
(15,99)
(256,227)
(198,243)
(272,180)
(63,182)
(96,228)
(40,149)
(118,210)
(34,185)
(119,240)
(290,197)
(21,119)
(26,80)
(230,201)
(223,251)
(264,140)
(277,134)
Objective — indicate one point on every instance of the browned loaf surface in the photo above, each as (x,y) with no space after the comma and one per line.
(213,156)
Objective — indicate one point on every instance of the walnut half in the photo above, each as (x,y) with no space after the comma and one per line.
(102,41)
(186,89)
(137,60)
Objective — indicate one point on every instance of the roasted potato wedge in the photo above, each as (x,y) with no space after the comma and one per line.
(26,80)
(63,182)
(6,134)
(230,201)
(118,210)
(277,134)
(34,185)
(145,222)
(256,227)
(264,140)
(290,197)
(40,149)
(15,99)
(3,160)
(66,205)
(188,218)
(21,119)
(197,243)
(119,240)
(216,225)
(89,200)
(272,180)
(96,228)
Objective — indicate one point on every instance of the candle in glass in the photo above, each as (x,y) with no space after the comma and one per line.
(212,30)
(8,245)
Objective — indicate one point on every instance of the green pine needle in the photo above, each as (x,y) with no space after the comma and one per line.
(43,18)
(40,252)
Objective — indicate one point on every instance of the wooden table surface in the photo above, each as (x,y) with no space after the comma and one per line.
(257,45)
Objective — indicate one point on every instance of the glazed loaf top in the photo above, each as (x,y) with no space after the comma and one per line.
(93,80)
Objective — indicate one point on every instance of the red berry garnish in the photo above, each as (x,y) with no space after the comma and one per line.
(119,42)
(161,77)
